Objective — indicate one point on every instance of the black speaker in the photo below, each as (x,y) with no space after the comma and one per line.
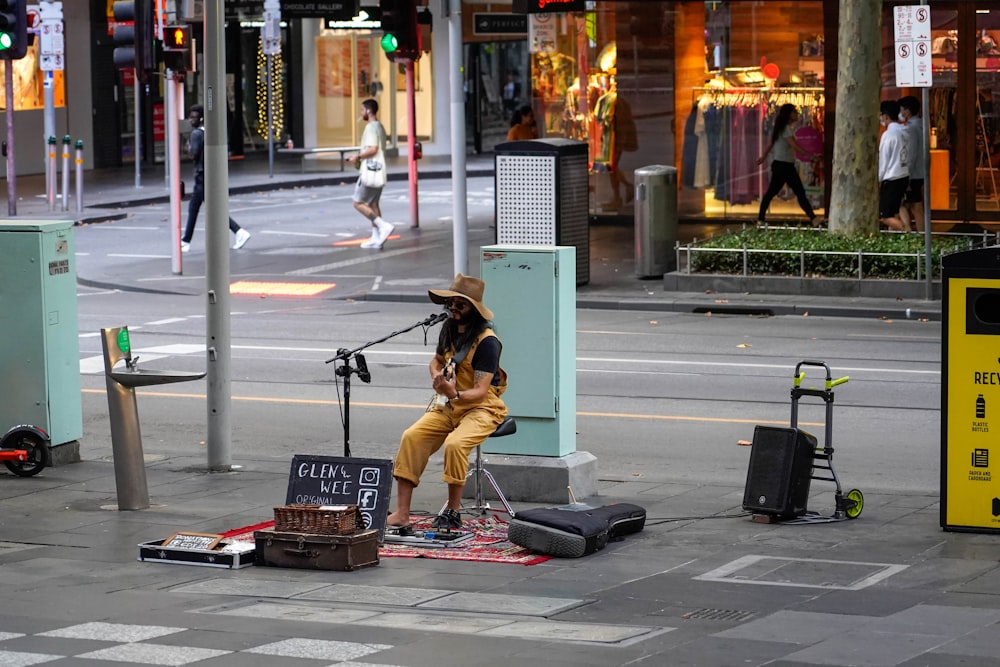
(780,470)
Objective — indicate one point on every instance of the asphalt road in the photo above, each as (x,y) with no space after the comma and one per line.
(667,394)
(663,395)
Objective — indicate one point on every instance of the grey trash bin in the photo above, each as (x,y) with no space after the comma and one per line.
(655,220)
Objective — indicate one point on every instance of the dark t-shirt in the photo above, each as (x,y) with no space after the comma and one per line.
(487,358)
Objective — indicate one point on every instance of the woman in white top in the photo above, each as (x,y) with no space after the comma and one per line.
(783,169)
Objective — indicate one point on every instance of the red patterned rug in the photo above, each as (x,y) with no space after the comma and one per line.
(490,544)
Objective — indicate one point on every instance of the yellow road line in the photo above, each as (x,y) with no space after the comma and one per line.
(368,404)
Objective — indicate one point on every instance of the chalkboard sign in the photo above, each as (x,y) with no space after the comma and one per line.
(333,480)
(192,541)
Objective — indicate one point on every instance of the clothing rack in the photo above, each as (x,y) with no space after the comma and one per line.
(800,96)
(738,101)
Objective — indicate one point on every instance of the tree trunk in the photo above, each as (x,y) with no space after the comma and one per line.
(854,181)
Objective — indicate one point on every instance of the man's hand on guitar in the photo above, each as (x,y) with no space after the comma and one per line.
(444,383)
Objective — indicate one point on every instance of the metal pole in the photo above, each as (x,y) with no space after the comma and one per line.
(270,120)
(8,76)
(216,239)
(459,205)
(50,112)
(928,276)
(137,122)
(50,166)
(65,171)
(174,169)
(79,175)
(411,142)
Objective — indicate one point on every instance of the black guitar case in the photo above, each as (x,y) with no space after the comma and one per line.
(623,519)
(572,533)
(556,532)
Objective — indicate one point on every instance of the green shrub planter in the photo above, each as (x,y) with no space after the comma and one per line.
(808,253)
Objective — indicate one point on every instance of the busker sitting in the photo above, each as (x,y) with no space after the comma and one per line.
(467,378)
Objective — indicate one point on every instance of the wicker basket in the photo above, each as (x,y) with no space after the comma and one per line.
(317,519)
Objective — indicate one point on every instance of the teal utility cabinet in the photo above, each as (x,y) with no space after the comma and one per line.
(40,355)
(532,293)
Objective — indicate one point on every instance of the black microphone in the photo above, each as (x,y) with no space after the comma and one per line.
(434,319)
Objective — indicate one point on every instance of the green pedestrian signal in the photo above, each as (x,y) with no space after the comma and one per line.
(389,42)
(13,29)
(400,33)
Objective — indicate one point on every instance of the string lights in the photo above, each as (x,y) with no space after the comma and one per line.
(277,94)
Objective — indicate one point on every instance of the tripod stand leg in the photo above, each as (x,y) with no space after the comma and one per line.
(496,487)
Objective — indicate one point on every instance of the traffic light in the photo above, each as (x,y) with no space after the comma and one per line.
(134,43)
(401,35)
(177,47)
(13,29)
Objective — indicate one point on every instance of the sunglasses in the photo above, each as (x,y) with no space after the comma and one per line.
(457,304)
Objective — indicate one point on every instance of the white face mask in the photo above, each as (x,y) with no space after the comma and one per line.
(902,117)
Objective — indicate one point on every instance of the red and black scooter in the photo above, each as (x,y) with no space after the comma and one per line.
(24,449)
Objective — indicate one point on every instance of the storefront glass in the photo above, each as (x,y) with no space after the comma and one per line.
(987,128)
(692,84)
(941,99)
(351,68)
(758,57)
(963,108)
(29,83)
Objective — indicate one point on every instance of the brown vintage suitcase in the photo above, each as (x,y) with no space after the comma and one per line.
(316,552)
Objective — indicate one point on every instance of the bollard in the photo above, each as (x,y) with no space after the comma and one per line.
(126,438)
(65,172)
(79,175)
(51,167)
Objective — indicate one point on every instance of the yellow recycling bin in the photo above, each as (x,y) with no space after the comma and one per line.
(970,391)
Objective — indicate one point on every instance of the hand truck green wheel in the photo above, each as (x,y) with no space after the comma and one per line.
(855,503)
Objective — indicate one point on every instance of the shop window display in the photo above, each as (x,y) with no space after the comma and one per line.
(755,63)
(29,83)
(690,84)
(575,93)
(728,130)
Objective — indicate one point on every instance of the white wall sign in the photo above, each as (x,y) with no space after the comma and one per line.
(912,32)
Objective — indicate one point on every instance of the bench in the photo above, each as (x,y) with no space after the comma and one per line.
(321,150)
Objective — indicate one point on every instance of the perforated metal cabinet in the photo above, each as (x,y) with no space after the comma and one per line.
(543,196)
(532,293)
(40,353)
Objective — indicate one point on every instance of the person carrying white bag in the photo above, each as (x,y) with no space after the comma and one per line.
(370,160)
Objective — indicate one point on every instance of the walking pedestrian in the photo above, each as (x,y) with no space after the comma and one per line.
(783,169)
(912,210)
(371,161)
(893,167)
(196,148)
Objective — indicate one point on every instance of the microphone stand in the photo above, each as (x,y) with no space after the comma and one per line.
(345,370)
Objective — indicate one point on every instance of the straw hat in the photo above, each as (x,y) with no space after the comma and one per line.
(467,287)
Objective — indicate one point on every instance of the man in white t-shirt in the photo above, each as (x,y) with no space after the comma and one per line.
(893,167)
(366,197)
(912,210)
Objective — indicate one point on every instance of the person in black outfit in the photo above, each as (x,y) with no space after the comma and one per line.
(196,147)
(783,168)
